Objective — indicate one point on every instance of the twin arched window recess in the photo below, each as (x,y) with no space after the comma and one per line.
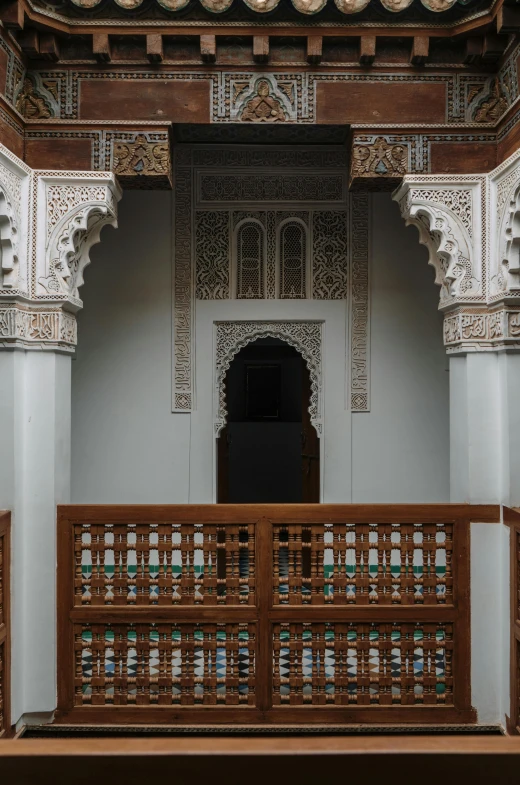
(250,260)
(292,255)
(291,266)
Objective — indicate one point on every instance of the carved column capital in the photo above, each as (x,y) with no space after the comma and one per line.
(49,221)
(450,214)
(482,329)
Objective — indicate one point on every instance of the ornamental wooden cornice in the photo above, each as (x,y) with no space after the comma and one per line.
(432,18)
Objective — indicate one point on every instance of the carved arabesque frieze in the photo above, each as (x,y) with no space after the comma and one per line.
(304,336)
(477,330)
(444,214)
(48,223)
(29,327)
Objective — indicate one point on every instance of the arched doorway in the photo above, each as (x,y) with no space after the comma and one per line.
(268,452)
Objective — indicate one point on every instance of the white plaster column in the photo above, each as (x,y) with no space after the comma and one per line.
(48,223)
(459,221)
(35,417)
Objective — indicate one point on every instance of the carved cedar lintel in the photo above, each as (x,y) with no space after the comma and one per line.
(142,160)
(378,162)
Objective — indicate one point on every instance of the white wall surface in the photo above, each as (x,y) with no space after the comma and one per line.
(400,450)
(129,447)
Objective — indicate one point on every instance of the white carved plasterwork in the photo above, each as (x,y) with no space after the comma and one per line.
(10,199)
(304,336)
(450,214)
(14,178)
(329,255)
(359,302)
(30,327)
(482,330)
(337,239)
(212,255)
(505,271)
(48,223)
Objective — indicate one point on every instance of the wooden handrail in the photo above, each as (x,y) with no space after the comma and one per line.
(479,760)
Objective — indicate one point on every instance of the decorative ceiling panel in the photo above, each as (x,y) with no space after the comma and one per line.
(308,7)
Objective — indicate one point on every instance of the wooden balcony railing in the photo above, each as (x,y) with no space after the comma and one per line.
(5,671)
(512,519)
(252,614)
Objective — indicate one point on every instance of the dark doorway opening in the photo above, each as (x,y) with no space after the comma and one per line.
(269,450)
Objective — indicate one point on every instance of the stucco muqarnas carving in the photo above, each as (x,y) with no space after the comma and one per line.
(49,221)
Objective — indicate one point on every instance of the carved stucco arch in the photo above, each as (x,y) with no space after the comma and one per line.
(506,275)
(69,247)
(305,337)
(76,214)
(9,235)
(444,219)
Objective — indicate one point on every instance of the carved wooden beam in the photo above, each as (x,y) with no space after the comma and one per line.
(154,48)
(474,47)
(376,164)
(101,47)
(29,41)
(144,161)
(367,49)
(208,48)
(494,47)
(49,47)
(13,15)
(261,48)
(508,19)
(420,50)
(314,48)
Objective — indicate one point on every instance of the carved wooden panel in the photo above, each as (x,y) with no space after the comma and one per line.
(363,664)
(164,564)
(363,564)
(264,613)
(164,664)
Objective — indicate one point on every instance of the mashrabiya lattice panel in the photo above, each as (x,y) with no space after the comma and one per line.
(363,664)
(164,664)
(363,564)
(164,564)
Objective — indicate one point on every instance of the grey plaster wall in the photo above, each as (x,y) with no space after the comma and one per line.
(127,446)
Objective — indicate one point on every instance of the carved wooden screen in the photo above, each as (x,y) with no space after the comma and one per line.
(512,519)
(293,261)
(250,260)
(5,674)
(250,614)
